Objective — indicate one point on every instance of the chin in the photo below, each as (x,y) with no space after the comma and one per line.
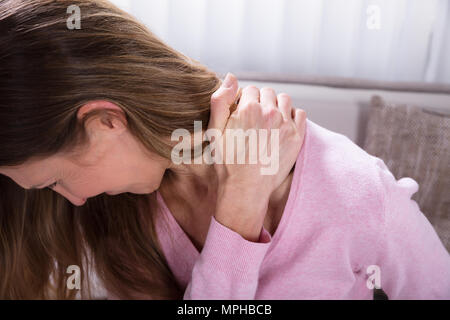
(142,189)
(145,191)
(112,193)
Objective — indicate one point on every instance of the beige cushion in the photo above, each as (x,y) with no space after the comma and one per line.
(415,143)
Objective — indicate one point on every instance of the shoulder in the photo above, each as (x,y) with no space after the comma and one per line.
(341,189)
(336,155)
(341,174)
(351,202)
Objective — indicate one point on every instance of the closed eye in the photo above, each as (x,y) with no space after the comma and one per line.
(53,185)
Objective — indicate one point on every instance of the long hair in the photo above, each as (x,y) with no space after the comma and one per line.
(47,72)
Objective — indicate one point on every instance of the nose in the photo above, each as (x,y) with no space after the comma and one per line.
(76,201)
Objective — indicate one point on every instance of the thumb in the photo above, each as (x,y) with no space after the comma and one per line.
(221,100)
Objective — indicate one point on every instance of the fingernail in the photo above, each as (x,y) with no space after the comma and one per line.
(228,82)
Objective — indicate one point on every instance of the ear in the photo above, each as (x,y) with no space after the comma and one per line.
(107,115)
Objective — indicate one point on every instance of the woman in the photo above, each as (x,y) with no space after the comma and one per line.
(91,111)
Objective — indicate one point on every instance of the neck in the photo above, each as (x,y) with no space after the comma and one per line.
(192,182)
(195,186)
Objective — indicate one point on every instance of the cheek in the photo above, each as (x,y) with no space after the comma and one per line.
(87,188)
(85,184)
(114,178)
(109,182)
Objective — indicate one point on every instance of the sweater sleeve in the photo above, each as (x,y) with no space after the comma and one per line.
(414,262)
(228,265)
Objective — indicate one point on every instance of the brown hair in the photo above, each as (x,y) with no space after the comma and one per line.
(47,72)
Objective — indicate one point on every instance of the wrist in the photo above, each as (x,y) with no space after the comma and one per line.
(242,211)
(254,193)
(243,200)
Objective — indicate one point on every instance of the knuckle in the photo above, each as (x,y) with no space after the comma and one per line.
(274,114)
(250,106)
(215,98)
(284,95)
(254,105)
(284,99)
(250,87)
(268,89)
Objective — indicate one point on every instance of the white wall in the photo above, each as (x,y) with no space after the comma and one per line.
(345,110)
(386,40)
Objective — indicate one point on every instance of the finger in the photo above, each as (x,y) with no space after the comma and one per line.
(300,118)
(268,98)
(221,100)
(285,106)
(249,94)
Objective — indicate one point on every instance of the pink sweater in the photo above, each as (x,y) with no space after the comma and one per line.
(345,212)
